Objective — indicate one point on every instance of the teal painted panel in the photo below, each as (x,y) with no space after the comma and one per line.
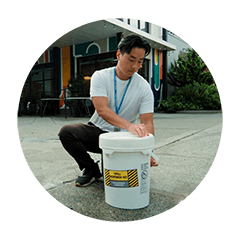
(112,44)
(93,50)
(80,49)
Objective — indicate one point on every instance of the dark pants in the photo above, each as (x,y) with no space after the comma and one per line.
(79,138)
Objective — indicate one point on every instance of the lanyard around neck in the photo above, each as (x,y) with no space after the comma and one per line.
(117,108)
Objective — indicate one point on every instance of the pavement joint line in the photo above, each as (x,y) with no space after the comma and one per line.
(53,121)
(179,139)
(186,156)
(60,184)
(34,119)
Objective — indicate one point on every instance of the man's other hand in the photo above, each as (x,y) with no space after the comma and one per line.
(138,129)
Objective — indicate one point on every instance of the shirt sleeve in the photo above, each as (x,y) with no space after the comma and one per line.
(97,87)
(147,102)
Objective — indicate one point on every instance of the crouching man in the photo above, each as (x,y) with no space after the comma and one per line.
(119,95)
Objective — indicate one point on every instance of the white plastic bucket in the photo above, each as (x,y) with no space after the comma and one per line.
(126,161)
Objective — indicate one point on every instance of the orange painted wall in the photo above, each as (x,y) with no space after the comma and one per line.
(66,72)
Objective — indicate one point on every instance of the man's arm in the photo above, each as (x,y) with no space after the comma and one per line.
(147,120)
(101,106)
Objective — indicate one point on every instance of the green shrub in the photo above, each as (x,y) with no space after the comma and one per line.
(194,96)
(194,86)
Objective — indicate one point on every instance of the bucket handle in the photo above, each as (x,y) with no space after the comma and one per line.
(146,152)
(151,155)
(109,152)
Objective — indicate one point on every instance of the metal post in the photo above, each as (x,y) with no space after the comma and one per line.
(65,108)
(165,84)
(41,102)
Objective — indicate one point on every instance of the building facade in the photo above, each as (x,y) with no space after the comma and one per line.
(93,47)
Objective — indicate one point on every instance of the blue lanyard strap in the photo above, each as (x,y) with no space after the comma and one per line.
(117,108)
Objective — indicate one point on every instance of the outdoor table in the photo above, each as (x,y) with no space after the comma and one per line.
(47,100)
(78,98)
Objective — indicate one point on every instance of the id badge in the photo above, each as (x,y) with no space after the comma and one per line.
(116,129)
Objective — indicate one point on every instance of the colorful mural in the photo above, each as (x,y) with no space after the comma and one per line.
(83,49)
(157,76)
(156,70)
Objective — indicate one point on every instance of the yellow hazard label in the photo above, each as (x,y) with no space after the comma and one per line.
(133,178)
(121,178)
(118,175)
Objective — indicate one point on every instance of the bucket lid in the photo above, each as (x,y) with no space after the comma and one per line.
(125,140)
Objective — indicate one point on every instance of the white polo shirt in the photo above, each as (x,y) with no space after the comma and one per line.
(138,99)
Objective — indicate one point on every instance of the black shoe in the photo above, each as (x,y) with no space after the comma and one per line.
(89,176)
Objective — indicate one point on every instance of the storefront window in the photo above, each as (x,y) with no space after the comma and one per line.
(89,64)
(39,79)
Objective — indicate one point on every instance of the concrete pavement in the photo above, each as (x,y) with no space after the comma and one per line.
(185,143)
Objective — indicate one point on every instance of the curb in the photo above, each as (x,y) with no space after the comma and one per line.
(192,112)
(200,111)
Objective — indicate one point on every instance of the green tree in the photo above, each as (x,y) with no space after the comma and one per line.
(195,88)
(186,71)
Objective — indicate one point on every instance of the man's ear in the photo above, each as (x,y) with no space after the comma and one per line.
(118,54)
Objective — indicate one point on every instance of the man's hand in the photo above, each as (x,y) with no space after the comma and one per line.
(153,162)
(138,129)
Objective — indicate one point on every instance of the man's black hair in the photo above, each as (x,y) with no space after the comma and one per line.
(126,44)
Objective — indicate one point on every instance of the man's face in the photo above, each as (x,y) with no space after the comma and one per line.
(130,63)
